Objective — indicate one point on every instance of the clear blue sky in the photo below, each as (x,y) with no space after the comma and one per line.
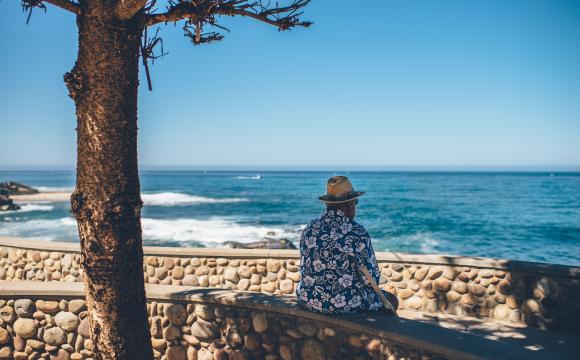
(373,83)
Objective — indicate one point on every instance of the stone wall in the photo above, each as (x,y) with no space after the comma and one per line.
(541,295)
(53,326)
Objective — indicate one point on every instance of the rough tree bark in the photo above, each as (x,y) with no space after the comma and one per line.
(106,201)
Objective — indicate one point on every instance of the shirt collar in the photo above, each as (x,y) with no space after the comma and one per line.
(338,213)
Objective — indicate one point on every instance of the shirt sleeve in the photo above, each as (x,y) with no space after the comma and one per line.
(365,255)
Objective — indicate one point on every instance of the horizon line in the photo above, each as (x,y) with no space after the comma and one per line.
(313,168)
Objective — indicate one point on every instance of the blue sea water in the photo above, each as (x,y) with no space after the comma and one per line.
(518,216)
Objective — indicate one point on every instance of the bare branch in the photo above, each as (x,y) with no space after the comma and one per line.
(28,5)
(66,5)
(179,11)
(204,11)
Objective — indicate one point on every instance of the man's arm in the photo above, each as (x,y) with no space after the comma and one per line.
(378,291)
(365,255)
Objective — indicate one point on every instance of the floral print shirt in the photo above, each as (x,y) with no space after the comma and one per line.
(332,249)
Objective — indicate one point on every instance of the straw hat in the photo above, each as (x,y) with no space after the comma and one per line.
(338,190)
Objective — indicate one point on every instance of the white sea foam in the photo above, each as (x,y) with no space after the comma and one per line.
(57,229)
(179,199)
(29,208)
(425,240)
(210,232)
(256,177)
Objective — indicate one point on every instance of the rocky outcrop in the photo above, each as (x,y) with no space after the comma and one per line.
(6,203)
(270,242)
(263,244)
(14,188)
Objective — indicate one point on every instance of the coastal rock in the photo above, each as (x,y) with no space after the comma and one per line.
(176,352)
(25,328)
(264,244)
(312,350)
(460,287)
(204,311)
(191,353)
(273,266)
(24,307)
(435,272)
(19,343)
(54,336)
(6,204)
(171,333)
(158,344)
(178,272)
(260,322)
(244,272)
(421,273)
(252,341)
(48,307)
(176,314)
(4,336)
(8,314)
(190,280)
(414,302)
(204,330)
(5,353)
(234,338)
(60,355)
(84,329)
(286,286)
(14,188)
(243,284)
(531,306)
(442,284)
(35,344)
(67,321)
(501,312)
(231,274)
(77,305)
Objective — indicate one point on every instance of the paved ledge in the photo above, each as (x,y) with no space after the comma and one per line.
(390,257)
(444,335)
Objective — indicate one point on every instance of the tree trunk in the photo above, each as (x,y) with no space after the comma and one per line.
(106,201)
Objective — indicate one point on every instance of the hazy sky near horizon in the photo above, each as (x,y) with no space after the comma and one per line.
(376,83)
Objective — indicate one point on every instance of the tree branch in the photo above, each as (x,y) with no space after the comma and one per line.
(67,5)
(175,13)
(204,11)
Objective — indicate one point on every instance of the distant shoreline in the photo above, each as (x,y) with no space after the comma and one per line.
(47,196)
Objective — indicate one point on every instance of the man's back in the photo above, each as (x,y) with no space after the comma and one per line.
(332,249)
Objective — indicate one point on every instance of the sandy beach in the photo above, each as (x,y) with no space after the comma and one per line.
(48,196)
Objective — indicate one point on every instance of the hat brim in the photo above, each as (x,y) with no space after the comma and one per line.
(333,200)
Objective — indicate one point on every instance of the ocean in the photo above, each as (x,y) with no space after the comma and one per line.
(517,216)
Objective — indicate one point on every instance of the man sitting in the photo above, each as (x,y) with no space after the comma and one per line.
(333,250)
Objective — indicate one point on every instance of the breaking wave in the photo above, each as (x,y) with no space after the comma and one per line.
(179,199)
(256,177)
(29,208)
(209,232)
